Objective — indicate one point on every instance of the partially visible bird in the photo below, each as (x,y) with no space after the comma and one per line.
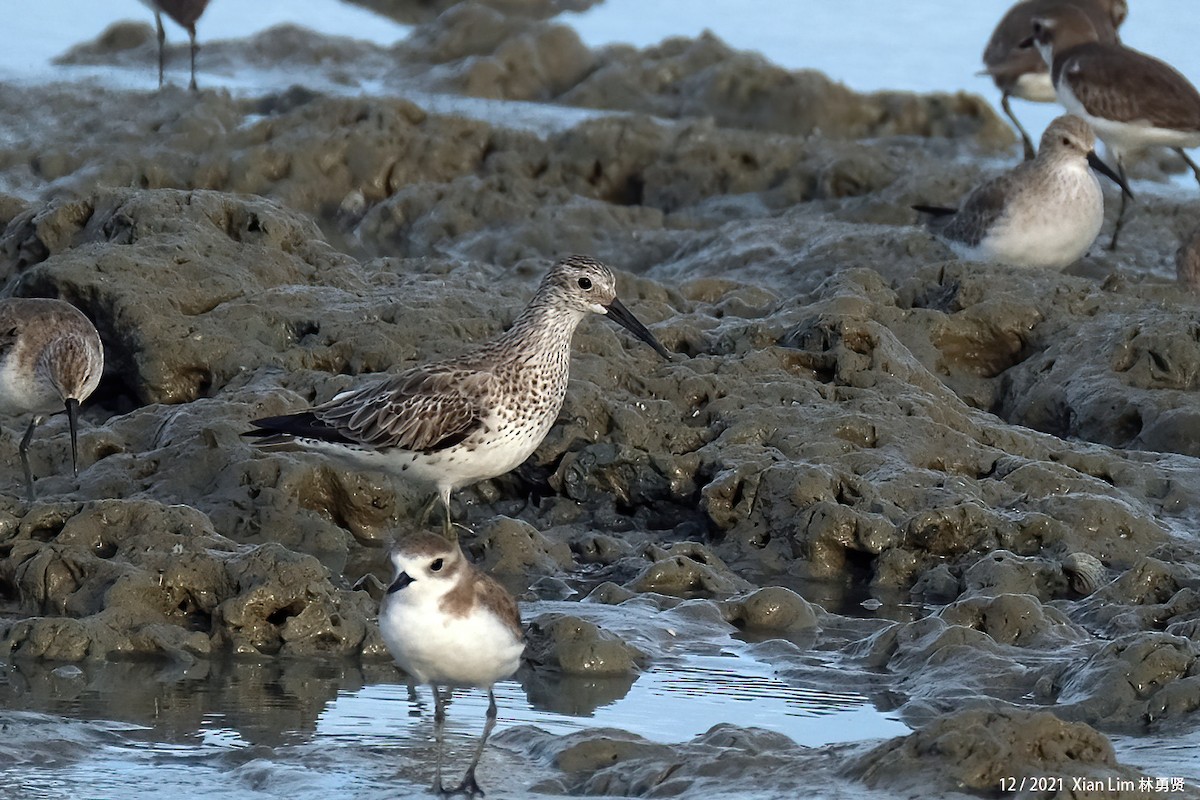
(51,359)
(1015,65)
(185,13)
(449,625)
(1133,101)
(1043,213)
(466,419)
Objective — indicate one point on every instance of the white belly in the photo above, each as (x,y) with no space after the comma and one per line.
(22,393)
(1034,86)
(432,647)
(1049,230)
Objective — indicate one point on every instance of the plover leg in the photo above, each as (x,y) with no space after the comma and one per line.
(468,785)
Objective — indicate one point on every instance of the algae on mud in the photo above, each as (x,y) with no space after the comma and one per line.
(1013,451)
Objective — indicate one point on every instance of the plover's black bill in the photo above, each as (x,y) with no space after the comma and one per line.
(72,422)
(625,318)
(1095,163)
(402,580)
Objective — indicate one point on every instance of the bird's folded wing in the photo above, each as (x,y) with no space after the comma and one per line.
(1163,98)
(980,209)
(423,409)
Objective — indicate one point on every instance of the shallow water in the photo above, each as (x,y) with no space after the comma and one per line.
(305,729)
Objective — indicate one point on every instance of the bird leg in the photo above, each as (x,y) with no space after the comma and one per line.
(447,523)
(24,451)
(1189,162)
(1112,245)
(468,785)
(439,724)
(448,528)
(162,43)
(192,35)
(1025,140)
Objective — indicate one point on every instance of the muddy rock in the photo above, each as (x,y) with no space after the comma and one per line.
(412,11)
(976,749)
(1138,681)
(771,609)
(513,546)
(578,647)
(607,762)
(137,578)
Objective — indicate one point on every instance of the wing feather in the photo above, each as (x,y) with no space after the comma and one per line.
(428,408)
(1164,97)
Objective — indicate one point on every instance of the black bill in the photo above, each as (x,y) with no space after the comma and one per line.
(622,316)
(401,581)
(73,423)
(1095,163)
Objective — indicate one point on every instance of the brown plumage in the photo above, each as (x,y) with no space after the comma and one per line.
(1132,100)
(474,416)
(1015,65)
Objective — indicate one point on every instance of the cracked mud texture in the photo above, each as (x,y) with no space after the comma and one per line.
(1016,450)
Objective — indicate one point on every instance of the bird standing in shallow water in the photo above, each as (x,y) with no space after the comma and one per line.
(1015,65)
(51,359)
(466,419)
(449,625)
(1044,213)
(185,13)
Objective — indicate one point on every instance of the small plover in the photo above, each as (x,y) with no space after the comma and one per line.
(449,625)
(1043,213)
(466,419)
(51,359)
(185,13)
(1133,101)
(1015,65)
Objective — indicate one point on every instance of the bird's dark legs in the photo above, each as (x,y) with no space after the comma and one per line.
(1112,245)
(448,528)
(439,724)
(468,785)
(1189,162)
(162,43)
(192,36)
(24,451)
(1025,140)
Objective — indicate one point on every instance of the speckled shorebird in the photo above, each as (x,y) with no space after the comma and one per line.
(1043,213)
(50,359)
(466,419)
(1133,101)
(185,13)
(1016,66)
(449,625)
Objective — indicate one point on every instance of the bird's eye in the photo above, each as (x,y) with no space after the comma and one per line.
(436,566)
(1066,141)
(585,283)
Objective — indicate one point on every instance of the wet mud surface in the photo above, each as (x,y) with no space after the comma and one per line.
(1007,462)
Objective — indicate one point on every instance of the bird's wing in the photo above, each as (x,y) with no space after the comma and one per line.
(424,409)
(1163,98)
(491,594)
(983,206)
